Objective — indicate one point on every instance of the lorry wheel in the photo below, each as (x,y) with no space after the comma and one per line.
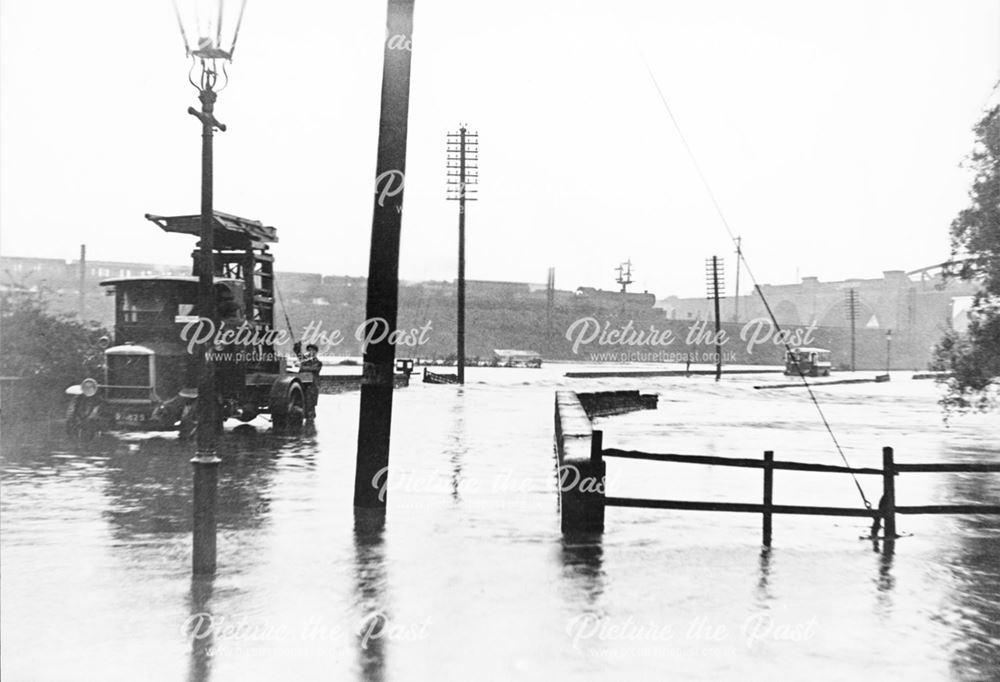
(289,416)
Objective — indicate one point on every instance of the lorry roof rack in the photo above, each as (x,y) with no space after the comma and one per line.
(231,232)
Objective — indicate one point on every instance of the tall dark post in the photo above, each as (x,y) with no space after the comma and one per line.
(82,303)
(852,314)
(207,409)
(736,297)
(768,494)
(463,149)
(550,299)
(461,266)
(718,320)
(887,505)
(888,351)
(854,318)
(375,419)
(209,41)
(713,285)
(205,462)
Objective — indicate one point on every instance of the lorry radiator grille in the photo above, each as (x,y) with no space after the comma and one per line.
(128,376)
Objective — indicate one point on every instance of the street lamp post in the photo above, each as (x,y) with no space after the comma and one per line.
(215,27)
(888,349)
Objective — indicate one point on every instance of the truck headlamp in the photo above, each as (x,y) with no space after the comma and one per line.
(89,387)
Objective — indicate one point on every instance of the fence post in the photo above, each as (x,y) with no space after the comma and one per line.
(768,494)
(888,503)
(597,448)
(594,498)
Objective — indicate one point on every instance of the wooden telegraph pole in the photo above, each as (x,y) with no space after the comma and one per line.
(550,299)
(383,262)
(713,277)
(851,305)
(463,175)
(736,296)
(82,302)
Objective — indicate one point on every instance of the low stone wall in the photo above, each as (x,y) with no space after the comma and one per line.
(581,475)
(608,403)
(341,383)
(580,451)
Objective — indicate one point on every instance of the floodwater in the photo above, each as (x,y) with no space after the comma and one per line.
(471,578)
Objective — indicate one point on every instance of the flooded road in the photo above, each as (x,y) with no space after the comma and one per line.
(471,575)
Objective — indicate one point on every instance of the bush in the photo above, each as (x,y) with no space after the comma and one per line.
(47,352)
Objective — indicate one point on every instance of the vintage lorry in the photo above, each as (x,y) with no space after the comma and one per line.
(152,365)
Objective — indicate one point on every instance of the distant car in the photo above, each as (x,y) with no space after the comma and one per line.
(810,362)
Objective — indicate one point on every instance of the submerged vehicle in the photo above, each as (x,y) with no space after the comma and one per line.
(151,372)
(810,362)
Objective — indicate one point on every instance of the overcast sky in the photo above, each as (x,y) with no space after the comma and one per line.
(830,132)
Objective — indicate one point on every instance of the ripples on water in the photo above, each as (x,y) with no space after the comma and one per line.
(471,577)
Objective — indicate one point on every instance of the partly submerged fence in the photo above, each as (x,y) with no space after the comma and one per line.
(583,497)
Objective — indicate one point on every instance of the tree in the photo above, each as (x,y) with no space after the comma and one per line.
(46,352)
(973,357)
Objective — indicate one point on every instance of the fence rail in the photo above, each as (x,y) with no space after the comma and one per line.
(580,450)
(691,505)
(884,514)
(738,462)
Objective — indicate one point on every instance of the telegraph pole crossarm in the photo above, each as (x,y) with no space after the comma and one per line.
(462,178)
(714,283)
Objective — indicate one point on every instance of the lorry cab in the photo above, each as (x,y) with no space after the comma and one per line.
(149,360)
(810,362)
(152,367)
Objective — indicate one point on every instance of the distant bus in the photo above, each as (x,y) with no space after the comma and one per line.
(516,358)
(811,362)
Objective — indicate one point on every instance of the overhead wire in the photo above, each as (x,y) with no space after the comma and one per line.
(284,311)
(743,259)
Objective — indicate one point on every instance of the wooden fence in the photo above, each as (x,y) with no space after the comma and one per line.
(885,513)
(584,497)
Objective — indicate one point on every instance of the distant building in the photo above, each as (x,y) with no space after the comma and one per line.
(30,271)
(61,274)
(102,269)
(496,290)
(920,301)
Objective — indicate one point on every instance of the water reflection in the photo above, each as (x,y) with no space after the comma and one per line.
(457,447)
(763,590)
(370,589)
(149,488)
(583,568)
(885,582)
(198,630)
(974,568)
